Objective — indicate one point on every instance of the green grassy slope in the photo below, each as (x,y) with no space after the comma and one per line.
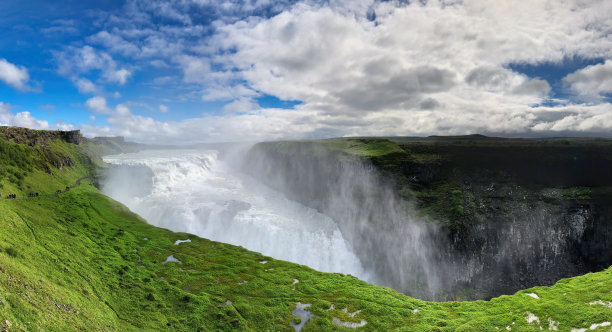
(43,169)
(81,261)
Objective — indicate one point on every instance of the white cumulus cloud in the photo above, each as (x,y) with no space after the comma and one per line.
(593,81)
(13,75)
(358,67)
(27,120)
(98,105)
(74,62)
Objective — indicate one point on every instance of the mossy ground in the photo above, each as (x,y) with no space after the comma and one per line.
(81,261)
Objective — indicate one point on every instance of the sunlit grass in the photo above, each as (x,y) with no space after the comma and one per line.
(82,261)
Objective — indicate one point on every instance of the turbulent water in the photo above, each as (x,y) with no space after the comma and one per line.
(193,191)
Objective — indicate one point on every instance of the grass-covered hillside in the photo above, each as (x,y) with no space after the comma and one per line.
(81,261)
(41,161)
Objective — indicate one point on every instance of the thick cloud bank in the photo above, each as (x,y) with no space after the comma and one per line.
(391,69)
(349,67)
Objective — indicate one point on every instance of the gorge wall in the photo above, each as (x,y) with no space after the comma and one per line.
(467,218)
(33,137)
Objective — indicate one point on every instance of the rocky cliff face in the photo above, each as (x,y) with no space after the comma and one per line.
(33,137)
(41,142)
(458,219)
(532,212)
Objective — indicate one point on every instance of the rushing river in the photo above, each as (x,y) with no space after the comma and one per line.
(195,192)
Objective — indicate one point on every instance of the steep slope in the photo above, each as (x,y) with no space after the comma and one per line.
(41,161)
(81,261)
(460,217)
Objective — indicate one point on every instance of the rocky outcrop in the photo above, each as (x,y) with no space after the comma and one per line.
(33,137)
(56,159)
(72,136)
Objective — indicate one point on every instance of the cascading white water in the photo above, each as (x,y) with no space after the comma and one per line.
(194,192)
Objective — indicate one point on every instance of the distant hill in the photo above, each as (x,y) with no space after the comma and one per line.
(479,137)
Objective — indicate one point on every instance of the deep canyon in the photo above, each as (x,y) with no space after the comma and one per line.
(437,218)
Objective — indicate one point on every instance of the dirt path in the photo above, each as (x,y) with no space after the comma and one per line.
(78,183)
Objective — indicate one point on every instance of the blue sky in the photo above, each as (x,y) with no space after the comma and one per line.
(201,70)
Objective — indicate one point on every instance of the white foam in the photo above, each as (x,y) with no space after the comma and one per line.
(195,193)
(181,241)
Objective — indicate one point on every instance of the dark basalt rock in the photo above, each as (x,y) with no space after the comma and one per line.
(33,137)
